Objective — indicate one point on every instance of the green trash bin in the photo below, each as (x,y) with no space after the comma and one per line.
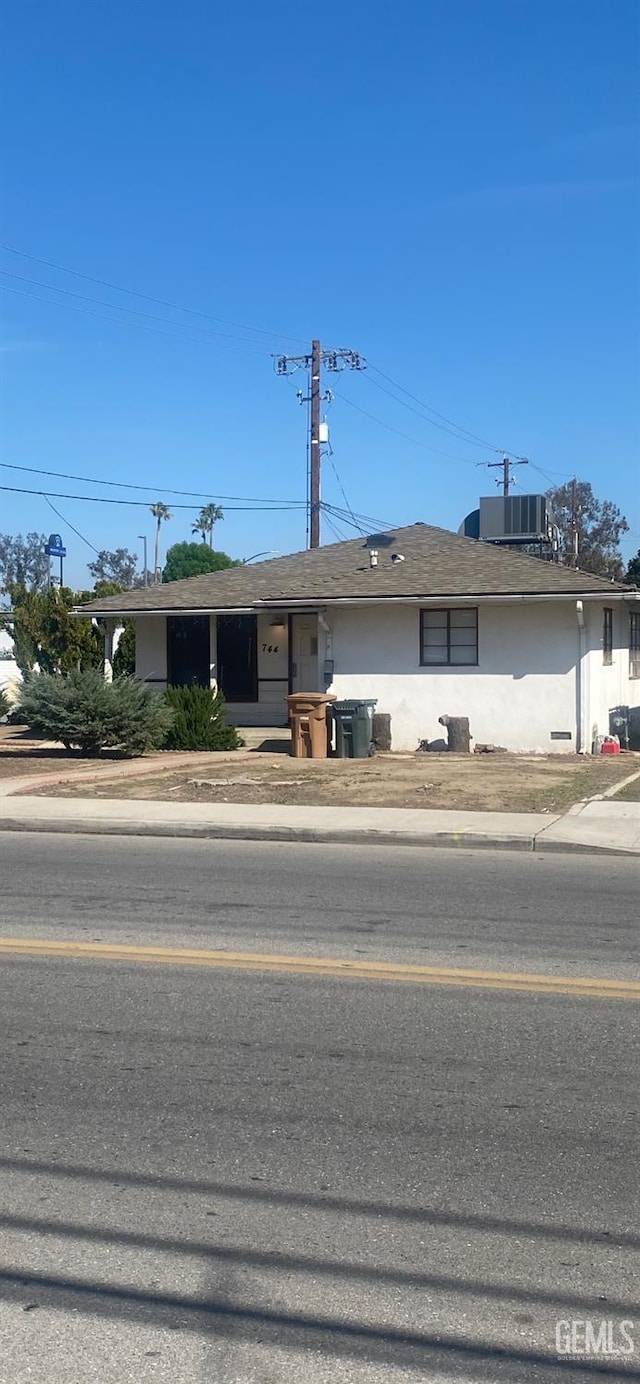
(354,728)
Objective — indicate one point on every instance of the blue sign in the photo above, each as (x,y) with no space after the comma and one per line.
(55,546)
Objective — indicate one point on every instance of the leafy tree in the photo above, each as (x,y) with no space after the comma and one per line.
(632,574)
(207,519)
(101,589)
(599,524)
(118,567)
(161,514)
(193,560)
(23,562)
(200,721)
(89,714)
(124,658)
(45,633)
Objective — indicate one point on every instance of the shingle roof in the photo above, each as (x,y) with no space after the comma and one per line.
(436,563)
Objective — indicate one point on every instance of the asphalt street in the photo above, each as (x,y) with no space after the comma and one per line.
(564,914)
(250,1178)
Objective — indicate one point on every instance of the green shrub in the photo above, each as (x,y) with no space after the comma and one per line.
(5,704)
(89,714)
(199,720)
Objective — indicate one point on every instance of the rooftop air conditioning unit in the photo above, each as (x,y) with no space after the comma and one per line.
(515,519)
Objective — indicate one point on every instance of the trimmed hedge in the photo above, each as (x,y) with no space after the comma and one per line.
(88,714)
(199,720)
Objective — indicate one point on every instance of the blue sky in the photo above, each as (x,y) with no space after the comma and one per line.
(448,188)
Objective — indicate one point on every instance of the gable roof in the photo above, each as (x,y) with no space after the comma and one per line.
(437,564)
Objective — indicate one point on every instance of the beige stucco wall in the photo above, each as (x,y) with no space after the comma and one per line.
(607,685)
(523,688)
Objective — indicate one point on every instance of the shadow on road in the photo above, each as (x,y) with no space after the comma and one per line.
(323,1202)
(231,1273)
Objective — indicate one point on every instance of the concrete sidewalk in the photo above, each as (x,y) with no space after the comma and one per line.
(603,826)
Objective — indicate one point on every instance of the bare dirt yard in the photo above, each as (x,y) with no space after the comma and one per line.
(24,754)
(500,782)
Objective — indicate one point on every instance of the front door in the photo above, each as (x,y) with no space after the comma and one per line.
(188,651)
(303,643)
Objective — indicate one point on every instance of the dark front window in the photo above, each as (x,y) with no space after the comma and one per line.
(238,657)
(634,644)
(449,637)
(607,635)
(188,651)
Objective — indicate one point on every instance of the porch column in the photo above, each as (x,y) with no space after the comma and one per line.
(109,632)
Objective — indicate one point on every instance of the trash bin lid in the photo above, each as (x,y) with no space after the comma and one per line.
(356,704)
(309,698)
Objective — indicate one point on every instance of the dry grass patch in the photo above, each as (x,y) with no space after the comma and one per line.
(508,783)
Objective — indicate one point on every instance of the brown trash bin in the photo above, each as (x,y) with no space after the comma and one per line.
(308,721)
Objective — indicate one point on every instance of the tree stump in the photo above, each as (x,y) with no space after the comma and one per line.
(381,731)
(458,733)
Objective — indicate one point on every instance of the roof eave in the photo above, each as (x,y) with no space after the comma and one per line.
(313,603)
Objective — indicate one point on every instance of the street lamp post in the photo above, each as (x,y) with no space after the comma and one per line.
(269,552)
(143,537)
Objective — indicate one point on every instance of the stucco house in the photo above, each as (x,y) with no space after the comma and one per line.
(424,620)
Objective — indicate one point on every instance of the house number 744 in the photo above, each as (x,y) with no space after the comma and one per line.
(271,648)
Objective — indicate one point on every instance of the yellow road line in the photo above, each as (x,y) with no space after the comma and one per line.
(593,987)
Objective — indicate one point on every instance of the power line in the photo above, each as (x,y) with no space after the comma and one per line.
(399,433)
(146,297)
(356,519)
(136,312)
(548,475)
(471,437)
(138,504)
(142,326)
(340,485)
(129,485)
(460,436)
(461,431)
(332,525)
(71,526)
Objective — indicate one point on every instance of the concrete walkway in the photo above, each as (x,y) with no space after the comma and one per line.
(603,826)
(600,825)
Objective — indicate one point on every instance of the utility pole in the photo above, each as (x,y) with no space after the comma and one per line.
(314,458)
(505,466)
(334,361)
(574,524)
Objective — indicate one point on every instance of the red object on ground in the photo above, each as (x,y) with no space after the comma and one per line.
(610,747)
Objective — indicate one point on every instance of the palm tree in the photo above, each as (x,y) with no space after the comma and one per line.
(207,519)
(160,512)
(201,526)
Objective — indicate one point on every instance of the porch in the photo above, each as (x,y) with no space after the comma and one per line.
(255,659)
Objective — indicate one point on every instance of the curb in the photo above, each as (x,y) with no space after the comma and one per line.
(543,847)
(309,835)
